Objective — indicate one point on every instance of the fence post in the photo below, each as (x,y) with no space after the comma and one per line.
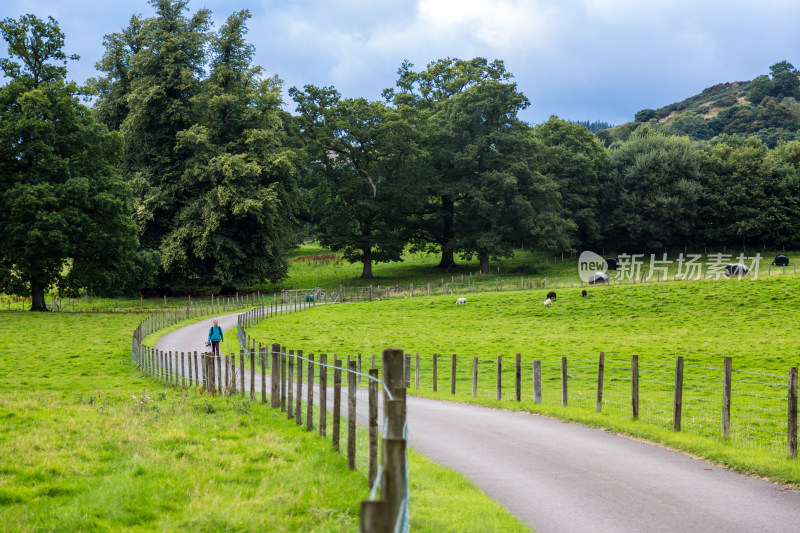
(678,403)
(474,377)
(263,361)
(220,387)
(453,375)
(416,372)
(435,365)
(183,370)
(372,470)
(564,381)
(290,386)
(518,378)
(284,374)
(310,401)
(196,370)
(211,377)
(253,373)
(170,373)
(635,386)
(791,426)
(407,370)
(241,368)
(337,401)
(189,364)
(374,515)
(276,376)
(298,412)
(601,367)
(323,394)
(351,416)
(499,378)
(537,382)
(394,444)
(727,374)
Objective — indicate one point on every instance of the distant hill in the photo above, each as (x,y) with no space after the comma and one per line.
(767,107)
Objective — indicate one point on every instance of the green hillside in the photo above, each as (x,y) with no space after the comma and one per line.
(767,107)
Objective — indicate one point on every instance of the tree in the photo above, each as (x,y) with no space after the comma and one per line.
(112,106)
(64,208)
(654,191)
(427,92)
(578,163)
(487,156)
(645,115)
(783,83)
(358,153)
(784,225)
(235,221)
(153,70)
(739,181)
(760,88)
(741,121)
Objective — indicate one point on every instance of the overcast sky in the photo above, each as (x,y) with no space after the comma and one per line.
(578,59)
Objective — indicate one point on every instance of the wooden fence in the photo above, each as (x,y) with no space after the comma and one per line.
(387,475)
(717,402)
(699,401)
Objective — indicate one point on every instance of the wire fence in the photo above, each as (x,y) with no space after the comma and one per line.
(759,408)
(758,411)
(319,395)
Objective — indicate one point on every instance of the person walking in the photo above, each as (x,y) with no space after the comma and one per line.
(215,337)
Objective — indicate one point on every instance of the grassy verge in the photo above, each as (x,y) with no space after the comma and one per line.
(96,445)
(703,321)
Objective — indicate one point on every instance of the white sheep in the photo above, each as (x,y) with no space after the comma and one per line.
(461,301)
(548,302)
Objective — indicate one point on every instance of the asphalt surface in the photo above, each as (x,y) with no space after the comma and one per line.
(562,477)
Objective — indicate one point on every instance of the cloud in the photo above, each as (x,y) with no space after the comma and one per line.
(580,59)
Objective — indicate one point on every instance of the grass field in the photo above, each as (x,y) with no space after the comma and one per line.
(311,265)
(91,444)
(704,321)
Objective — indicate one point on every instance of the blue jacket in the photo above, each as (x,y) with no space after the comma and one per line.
(215,333)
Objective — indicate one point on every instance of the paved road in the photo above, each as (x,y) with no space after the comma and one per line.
(561,477)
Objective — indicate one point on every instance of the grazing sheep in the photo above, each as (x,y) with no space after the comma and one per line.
(584,293)
(551,295)
(547,302)
(461,301)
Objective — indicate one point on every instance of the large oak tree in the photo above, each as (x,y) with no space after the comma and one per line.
(64,208)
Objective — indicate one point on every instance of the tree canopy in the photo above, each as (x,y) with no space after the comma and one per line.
(359,155)
(64,208)
(204,144)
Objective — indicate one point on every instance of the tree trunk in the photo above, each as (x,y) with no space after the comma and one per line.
(484,262)
(37,297)
(448,208)
(366,259)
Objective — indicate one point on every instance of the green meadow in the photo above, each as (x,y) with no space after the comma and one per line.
(91,444)
(752,321)
(311,265)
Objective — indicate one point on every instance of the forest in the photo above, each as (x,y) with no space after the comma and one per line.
(180,166)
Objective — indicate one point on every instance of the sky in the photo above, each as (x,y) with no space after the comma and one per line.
(576,59)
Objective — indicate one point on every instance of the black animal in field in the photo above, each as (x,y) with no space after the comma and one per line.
(551,295)
(584,293)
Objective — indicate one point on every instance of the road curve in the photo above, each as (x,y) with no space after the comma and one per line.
(563,477)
